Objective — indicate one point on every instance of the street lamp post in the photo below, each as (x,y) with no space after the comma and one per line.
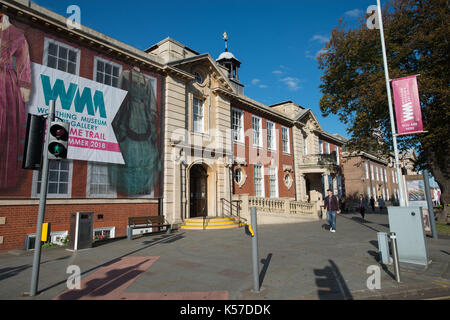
(402,196)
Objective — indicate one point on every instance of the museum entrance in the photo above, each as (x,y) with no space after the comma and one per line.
(198,191)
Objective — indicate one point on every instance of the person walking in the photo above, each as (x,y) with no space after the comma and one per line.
(372,203)
(381,203)
(331,204)
(362,205)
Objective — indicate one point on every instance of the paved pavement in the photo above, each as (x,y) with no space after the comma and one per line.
(298,261)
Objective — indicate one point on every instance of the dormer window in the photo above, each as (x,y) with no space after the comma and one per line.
(198,77)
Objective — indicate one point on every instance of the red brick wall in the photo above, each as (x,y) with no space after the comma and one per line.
(251,155)
(21,219)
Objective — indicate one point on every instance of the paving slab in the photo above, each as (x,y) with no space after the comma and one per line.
(302,261)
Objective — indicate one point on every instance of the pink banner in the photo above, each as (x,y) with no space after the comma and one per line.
(407,105)
(93,144)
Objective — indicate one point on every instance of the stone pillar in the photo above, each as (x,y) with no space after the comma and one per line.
(303,192)
(335,186)
(325,183)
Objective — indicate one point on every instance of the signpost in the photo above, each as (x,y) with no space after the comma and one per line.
(402,195)
(42,202)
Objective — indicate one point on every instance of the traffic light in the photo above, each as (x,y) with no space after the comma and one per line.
(34,142)
(59,140)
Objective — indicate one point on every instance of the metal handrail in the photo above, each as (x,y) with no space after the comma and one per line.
(223,200)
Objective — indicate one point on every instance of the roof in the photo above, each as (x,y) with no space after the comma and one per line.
(227,55)
(171,40)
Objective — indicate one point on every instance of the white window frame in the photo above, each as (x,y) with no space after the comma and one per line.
(327,147)
(338,161)
(260,168)
(35,193)
(112,231)
(385,175)
(372,173)
(377,175)
(369,193)
(305,145)
(320,146)
(112,193)
(201,117)
(273,172)
(257,131)
(240,125)
(271,137)
(285,142)
(96,60)
(366,167)
(47,42)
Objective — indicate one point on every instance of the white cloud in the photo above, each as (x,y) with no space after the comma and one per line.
(320,38)
(292,83)
(277,72)
(263,86)
(355,13)
(255,81)
(309,55)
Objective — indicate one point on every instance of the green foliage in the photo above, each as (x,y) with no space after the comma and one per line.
(354,87)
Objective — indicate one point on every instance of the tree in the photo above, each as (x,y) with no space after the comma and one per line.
(354,88)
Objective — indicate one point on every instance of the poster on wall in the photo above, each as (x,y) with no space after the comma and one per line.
(417,198)
(116,126)
(87,105)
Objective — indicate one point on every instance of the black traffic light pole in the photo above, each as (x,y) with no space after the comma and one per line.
(42,201)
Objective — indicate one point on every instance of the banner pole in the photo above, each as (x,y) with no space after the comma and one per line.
(391,112)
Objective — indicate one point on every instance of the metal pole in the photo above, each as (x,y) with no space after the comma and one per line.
(391,112)
(393,237)
(426,180)
(42,202)
(255,256)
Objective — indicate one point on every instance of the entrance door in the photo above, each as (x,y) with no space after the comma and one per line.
(198,192)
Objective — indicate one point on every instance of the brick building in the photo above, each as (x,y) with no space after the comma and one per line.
(192,143)
(371,176)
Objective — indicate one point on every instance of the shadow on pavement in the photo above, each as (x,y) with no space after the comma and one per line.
(162,239)
(13,271)
(101,287)
(361,222)
(376,256)
(331,283)
(265,263)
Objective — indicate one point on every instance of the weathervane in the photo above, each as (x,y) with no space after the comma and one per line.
(225,37)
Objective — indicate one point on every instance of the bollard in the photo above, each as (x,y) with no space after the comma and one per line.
(393,237)
(255,256)
(383,248)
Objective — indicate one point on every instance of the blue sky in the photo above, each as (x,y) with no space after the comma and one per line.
(276,41)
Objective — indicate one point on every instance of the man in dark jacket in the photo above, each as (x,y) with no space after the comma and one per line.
(331,205)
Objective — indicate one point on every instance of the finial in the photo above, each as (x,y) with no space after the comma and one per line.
(225,37)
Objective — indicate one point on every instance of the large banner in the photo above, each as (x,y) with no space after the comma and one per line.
(87,105)
(407,105)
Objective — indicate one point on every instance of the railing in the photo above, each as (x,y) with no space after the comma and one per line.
(232,209)
(281,206)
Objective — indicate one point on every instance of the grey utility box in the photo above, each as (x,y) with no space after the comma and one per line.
(81,230)
(407,223)
(383,248)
